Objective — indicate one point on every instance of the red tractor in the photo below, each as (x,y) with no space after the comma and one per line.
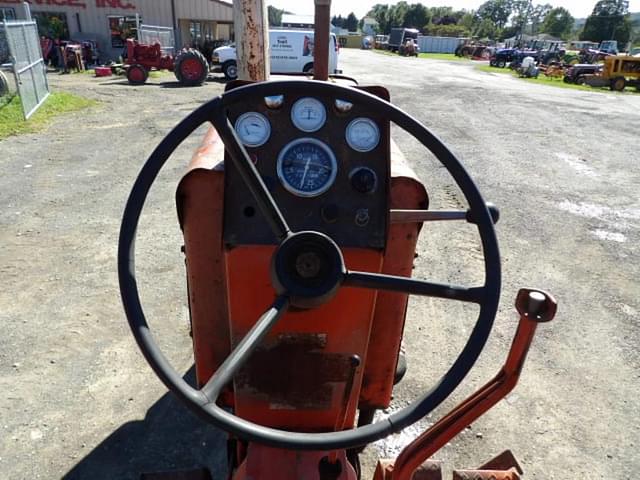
(189,66)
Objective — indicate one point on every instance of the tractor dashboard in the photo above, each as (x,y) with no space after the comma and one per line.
(325,161)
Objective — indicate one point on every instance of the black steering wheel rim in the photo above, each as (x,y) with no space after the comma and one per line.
(199,401)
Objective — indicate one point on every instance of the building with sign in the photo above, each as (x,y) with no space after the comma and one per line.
(111,22)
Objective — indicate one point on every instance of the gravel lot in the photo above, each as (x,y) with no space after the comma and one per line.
(78,401)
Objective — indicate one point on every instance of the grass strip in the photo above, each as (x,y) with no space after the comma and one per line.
(554,82)
(12,121)
(450,57)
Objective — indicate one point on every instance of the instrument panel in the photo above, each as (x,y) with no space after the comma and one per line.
(324,160)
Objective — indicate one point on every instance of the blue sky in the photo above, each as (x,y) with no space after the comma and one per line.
(578,8)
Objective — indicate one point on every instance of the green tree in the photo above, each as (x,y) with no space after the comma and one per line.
(486,28)
(417,16)
(275,16)
(608,21)
(468,21)
(538,15)
(558,23)
(496,11)
(351,22)
(381,13)
(446,30)
(338,21)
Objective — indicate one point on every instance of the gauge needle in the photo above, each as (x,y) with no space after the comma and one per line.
(306,169)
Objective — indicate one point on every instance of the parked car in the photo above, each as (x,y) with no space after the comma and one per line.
(291,51)
(576,73)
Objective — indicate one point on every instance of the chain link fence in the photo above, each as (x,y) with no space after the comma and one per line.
(150,34)
(23,44)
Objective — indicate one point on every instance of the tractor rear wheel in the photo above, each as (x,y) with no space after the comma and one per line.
(191,68)
(618,84)
(4,84)
(137,74)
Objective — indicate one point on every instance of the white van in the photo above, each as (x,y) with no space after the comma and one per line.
(291,51)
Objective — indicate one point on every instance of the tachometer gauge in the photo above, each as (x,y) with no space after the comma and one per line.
(362,134)
(253,128)
(308,114)
(307,167)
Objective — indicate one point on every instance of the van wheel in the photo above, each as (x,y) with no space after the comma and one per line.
(230,70)
(308,68)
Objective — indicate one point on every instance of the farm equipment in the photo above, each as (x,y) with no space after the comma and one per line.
(576,73)
(299,256)
(399,36)
(472,49)
(189,66)
(553,70)
(617,72)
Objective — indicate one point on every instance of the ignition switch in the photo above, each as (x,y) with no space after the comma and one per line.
(362,217)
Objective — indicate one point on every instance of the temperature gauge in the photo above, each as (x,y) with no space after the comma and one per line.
(253,129)
(363,134)
(308,114)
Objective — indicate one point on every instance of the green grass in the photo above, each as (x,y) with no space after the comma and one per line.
(12,120)
(433,56)
(554,82)
(444,56)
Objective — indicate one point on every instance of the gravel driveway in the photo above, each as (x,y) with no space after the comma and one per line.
(78,400)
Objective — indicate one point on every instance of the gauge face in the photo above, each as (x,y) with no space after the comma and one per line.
(253,128)
(363,134)
(308,114)
(307,167)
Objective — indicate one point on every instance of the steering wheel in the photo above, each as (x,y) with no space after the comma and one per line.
(307,270)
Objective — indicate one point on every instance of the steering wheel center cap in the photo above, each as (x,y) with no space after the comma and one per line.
(309,267)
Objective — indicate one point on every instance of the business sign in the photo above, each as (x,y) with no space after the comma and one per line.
(122,4)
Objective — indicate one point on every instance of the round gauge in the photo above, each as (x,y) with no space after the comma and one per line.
(308,114)
(307,167)
(363,134)
(253,128)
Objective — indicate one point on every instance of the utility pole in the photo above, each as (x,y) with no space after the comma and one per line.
(251,30)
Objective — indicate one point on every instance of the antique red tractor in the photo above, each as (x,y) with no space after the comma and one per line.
(190,66)
(299,250)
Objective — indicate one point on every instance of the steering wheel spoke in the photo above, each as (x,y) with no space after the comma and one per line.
(239,356)
(252,179)
(378,281)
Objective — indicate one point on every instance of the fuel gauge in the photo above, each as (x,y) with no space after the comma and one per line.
(253,128)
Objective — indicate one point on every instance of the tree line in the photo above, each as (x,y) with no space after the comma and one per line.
(497,20)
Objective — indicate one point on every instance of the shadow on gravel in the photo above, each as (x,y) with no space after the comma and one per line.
(166,84)
(169,438)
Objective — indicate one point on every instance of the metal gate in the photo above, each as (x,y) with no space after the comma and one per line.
(28,65)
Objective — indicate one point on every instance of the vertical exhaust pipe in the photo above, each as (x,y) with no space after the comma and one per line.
(321,40)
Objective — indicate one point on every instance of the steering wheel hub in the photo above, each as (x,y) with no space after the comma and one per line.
(309,267)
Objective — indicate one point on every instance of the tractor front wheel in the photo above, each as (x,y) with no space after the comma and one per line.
(501,63)
(137,74)
(191,68)
(618,84)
